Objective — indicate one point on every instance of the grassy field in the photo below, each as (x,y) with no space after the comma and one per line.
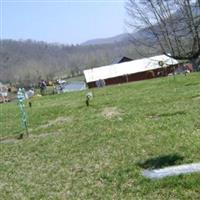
(99,152)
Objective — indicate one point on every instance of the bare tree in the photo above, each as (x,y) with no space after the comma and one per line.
(173,26)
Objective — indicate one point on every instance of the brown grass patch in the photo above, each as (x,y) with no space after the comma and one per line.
(154,117)
(57,121)
(46,134)
(110,112)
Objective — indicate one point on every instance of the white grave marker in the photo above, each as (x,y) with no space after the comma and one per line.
(172,171)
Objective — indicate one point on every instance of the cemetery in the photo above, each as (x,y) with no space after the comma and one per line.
(131,141)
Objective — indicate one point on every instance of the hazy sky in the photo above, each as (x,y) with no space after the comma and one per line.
(62,21)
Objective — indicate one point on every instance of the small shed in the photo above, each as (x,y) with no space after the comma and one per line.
(140,69)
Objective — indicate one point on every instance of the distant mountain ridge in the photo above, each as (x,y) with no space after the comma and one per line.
(124,37)
(142,34)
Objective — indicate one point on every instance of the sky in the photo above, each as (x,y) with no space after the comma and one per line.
(61,21)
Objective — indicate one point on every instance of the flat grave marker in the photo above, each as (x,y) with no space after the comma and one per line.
(172,171)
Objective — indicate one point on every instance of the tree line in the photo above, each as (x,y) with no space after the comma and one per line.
(29,61)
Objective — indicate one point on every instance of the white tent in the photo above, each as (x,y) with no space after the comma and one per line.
(131,67)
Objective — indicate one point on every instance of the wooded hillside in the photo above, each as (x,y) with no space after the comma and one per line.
(28,61)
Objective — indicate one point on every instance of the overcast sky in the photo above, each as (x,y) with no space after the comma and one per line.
(68,22)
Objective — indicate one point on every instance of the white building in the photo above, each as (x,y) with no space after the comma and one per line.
(135,70)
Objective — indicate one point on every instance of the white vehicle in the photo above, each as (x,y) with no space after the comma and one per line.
(59,81)
(4,97)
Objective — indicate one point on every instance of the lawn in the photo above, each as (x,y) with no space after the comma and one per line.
(99,152)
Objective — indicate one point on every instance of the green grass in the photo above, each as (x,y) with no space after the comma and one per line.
(98,152)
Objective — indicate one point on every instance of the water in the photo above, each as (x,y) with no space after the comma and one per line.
(73,86)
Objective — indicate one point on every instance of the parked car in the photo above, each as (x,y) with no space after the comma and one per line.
(4,97)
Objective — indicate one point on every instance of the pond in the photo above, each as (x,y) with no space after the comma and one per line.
(72,86)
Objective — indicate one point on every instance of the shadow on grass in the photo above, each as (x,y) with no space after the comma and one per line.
(172,114)
(157,117)
(161,161)
(191,84)
(195,96)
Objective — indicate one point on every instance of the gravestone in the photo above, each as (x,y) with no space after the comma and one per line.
(172,171)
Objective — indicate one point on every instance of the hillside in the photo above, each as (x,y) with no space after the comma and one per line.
(126,38)
(99,152)
(26,62)
(118,38)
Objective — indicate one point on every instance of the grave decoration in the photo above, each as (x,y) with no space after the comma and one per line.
(89,96)
(21,97)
